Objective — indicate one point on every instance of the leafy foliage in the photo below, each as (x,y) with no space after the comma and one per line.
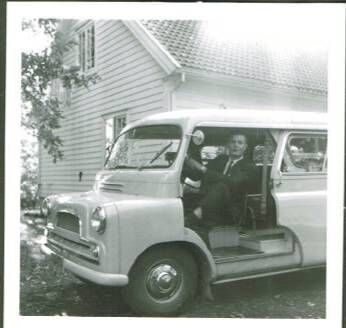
(41,110)
(39,70)
(29,183)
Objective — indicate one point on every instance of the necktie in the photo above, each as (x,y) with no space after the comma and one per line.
(228,167)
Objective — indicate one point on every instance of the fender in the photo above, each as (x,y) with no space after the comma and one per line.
(147,222)
(192,238)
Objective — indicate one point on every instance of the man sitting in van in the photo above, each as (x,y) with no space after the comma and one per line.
(225,181)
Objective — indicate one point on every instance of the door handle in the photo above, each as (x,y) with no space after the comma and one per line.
(277,179)
(274,183)
(278,183)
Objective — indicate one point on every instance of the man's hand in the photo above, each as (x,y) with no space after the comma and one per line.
(194,165)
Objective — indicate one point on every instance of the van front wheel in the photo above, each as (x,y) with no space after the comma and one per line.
(162,281)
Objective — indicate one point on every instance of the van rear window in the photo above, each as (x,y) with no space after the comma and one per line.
(305,153)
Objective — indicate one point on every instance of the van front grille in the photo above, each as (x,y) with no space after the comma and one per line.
(68,221)
(112,187)
(71,249)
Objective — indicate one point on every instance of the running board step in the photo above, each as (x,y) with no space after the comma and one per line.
(262,232)
(267,245)
(238,254)
(233,253)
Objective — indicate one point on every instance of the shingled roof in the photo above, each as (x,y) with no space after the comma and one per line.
(188,42)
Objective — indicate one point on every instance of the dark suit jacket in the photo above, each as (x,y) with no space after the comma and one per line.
(239,180)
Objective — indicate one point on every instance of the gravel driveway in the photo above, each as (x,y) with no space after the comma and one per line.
(46,290)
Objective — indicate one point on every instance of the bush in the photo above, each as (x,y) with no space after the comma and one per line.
(29,175)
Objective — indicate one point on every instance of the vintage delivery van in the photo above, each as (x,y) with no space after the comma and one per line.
(129,230)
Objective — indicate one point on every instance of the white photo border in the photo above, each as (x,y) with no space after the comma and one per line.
(16,11)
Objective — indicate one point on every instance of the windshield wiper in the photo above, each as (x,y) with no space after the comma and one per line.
(153,166)
(121,167)
(157,155)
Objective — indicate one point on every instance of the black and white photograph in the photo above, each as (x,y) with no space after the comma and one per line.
(181,164)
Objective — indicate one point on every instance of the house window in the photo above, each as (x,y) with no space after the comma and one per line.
(87,48)
(63,94)
(113,127)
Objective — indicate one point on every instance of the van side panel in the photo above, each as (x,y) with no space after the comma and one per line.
(301,200)
(301,207)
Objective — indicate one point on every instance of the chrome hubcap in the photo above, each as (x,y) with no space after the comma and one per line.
(163,281)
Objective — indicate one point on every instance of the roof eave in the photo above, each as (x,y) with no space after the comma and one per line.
(153,46)
(250,83)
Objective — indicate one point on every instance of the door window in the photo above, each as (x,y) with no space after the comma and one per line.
(305,153)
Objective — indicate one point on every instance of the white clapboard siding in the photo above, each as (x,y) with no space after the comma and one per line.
(119,98)
(199,93)
(130,82)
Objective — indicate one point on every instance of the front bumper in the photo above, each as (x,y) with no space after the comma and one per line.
(100,278)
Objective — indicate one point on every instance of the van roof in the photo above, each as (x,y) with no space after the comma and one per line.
(281,119)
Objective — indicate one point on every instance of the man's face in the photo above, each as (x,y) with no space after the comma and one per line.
(237,145)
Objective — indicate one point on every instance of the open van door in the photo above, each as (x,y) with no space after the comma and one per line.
(300,190)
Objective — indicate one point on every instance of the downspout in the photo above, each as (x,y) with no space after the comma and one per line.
(171,83)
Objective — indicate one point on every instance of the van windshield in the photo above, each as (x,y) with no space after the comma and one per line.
(154,146)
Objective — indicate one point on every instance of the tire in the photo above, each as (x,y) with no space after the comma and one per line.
(162,281)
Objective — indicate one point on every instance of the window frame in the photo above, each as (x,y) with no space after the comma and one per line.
(113,116)
(305,173)
(83,48)
(58,91)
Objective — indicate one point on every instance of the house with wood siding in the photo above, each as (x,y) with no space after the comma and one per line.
(147,67)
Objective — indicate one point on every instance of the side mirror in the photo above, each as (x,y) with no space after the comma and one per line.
(198,137)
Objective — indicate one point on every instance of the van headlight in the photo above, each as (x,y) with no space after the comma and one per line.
(46,207)
(98,220)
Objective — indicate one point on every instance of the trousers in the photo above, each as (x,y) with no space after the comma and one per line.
(218,208)
(218,205)
(200,226)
